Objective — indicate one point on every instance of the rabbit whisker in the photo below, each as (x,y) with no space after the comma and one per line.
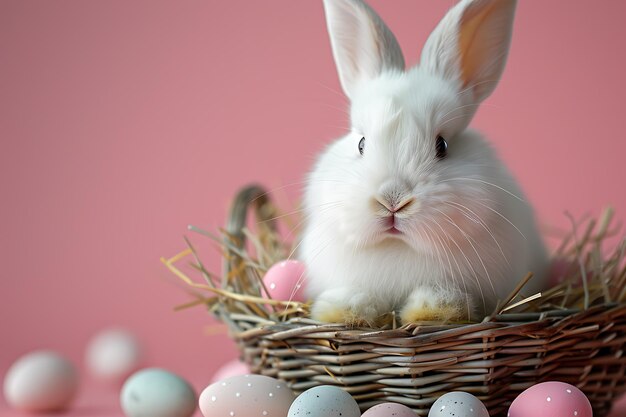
(448,252)
(503,217)
(482,223)
(486,183)
(469,263)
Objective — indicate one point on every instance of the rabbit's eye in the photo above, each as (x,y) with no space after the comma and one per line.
(441,146)
(361,145)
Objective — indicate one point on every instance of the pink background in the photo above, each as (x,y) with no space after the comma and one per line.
(121,122)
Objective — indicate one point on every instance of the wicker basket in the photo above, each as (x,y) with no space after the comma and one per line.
(573,333)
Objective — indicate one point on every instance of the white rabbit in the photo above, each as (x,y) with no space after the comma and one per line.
(410,211)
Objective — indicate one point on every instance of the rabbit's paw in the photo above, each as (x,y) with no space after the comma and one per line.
(343,305)
(427,305)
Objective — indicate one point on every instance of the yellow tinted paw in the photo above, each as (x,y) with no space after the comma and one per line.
(338,315)
(326,313)
(345,305)
(443,312)
(329,315)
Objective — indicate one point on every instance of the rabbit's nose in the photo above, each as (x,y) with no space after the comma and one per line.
(393,206)
(393,196)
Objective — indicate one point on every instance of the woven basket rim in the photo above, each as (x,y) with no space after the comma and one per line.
(580,341)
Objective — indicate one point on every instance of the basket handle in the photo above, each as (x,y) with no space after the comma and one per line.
(254,197)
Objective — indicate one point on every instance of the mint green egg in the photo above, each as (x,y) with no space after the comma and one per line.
(156,392)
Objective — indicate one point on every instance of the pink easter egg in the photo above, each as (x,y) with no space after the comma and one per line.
(285,281)
(232,368)
(554,399)
(389,410)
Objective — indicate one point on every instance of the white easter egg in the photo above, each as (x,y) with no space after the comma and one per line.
(246,396)
(41,381)
(324,401)
(113,355)
(156,392)
(458,404)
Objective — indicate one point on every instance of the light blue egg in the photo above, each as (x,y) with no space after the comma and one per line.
(324,401)
(156,392)
(458,404)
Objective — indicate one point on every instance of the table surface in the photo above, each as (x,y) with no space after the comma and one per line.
(96,401)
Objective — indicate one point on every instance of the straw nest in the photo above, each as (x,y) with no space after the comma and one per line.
(574,332)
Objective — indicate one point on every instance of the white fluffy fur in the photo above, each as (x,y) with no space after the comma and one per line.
(468,237)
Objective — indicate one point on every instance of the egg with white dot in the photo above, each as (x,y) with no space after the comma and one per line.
(554,399)
(324,401)
(41,381)
(285,281)
(113,354)
(389,410)
(458,404)
(246,396)
(156,392)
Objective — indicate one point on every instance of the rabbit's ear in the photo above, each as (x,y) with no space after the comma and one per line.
(363,46)
(471,44)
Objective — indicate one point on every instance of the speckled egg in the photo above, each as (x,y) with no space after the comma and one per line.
(285,281)
(232,368)
(246,396)
(389,410)
(41,381)
(324,401)
(156,392)
(458,404)
(554,399)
